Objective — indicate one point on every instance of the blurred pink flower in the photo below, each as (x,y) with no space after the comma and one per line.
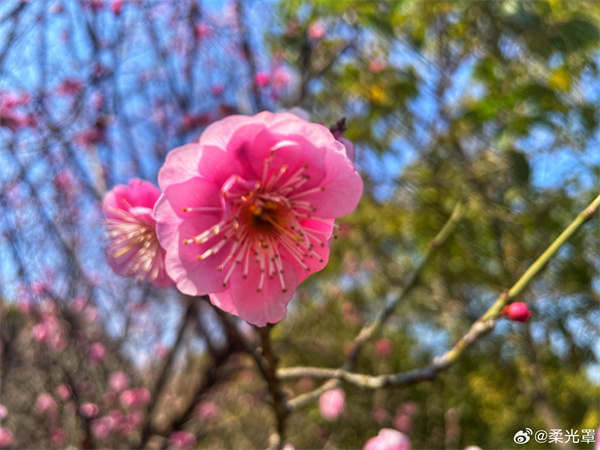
(216,89)
(332,404)
(127,398)
(410,408)
(248,210)
(70,86)
(133,249)
(182,439)
(316,30)
(118,381)
(142,396)
(288,447)
(89,410)
(380,416)
(261,79)
(202,31)
(63,391)
(90,314)
(403,422)
(45,403)
(6,437)
(388,439)
(40,331)
(91,136)
(3,412)
(97,352)
(78,304)
(384,347)
(102,427)
(207,410)
(160,350)
(377,65)
(58,436)
(117,7)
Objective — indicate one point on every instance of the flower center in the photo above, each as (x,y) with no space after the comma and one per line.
(264,218)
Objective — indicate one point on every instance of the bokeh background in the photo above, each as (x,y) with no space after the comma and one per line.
(492,103)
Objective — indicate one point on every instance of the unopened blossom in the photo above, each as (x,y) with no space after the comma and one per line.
(388,439)
(384,347)
(316,30)
(3,412)
(97,352)
(118,381)
(45,402)
(332,404)
(102,427)
(517,311)
(207,410)
(248,210)
(261,78)
(63,391)
(133,249)
(182,439)
(89,410)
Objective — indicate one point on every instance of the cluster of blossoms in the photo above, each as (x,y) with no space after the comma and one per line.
(244,216)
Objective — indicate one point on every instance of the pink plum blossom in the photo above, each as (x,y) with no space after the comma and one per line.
(58,436)
(332,404)
(160,350)
(88,410)
(45,402)
(133,249)
(63,391)
(116,7)
(142,396)
(102,427)
(70,86)
(384,347)
(127,398)
(3,412)
(6,437)
(207,410)
(377,65)
(216,89)
(182,439)
(316,30)
(97,352)
(261,79)
(247,211)
(118,381)
(388,439)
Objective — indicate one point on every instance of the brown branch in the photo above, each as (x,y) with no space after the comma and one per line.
(161,379)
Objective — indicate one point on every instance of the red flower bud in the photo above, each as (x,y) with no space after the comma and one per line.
(517,311)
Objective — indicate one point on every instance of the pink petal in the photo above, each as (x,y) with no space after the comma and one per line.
(322,250)
(343,188)
(270,304)
(192,193)
(224,301)
(193,276)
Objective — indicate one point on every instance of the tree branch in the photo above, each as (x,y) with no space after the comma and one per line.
(481,327)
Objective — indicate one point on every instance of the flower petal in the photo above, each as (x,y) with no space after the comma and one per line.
(269,305)
(343,188)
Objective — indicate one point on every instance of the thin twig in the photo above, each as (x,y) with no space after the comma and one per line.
(279,402)
(481,327)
